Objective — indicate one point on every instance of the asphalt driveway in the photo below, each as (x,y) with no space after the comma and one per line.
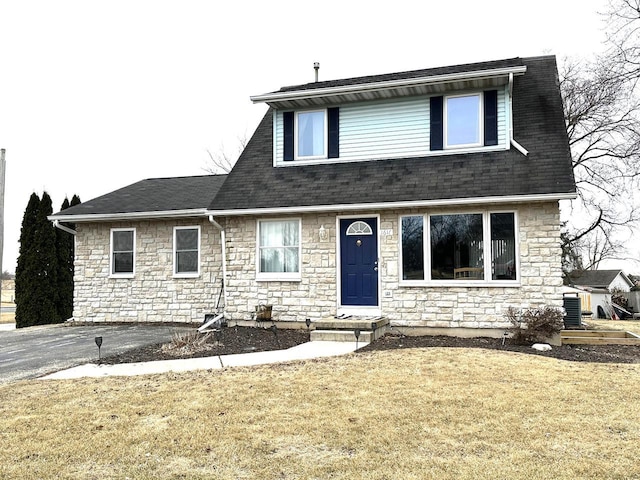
(36,351)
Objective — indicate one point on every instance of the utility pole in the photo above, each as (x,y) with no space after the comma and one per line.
(2,170)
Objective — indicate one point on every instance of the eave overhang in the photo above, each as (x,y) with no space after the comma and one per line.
(498,200)
(110,217)
(312,97)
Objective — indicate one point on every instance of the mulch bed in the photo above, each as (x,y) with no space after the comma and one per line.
(230,340)
(233,340)
(574,353)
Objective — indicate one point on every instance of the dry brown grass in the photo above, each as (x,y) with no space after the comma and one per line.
(626,325)
(411,414)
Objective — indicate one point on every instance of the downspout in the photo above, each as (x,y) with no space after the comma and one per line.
(57,224)
(518,147)
(223,240)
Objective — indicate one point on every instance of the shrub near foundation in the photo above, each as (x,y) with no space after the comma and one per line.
(534,324)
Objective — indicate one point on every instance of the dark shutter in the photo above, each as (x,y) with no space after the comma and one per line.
(436,135)
(333,115)
(287,118)
(491,117)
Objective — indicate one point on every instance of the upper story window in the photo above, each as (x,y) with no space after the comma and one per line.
(311,134)
(123,241)
(464,121)
(463,127)
(278,250)
(465,247)
(186,251)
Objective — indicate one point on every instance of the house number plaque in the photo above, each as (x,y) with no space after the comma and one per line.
(386,232)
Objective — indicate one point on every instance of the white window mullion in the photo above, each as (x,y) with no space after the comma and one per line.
(487,245)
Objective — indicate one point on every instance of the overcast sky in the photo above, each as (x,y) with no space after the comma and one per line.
(96,95)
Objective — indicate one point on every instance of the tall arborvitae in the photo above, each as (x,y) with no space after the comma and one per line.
(64,251)
(65,244)
(26,311)
(47,273)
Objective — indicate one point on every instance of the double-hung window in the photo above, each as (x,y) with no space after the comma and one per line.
(462,247)
(278,256)
(186,251)
(310,135)
(123,241)
(462,121)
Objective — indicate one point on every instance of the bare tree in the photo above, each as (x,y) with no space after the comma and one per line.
(623,36)
(602,116)
(222,161)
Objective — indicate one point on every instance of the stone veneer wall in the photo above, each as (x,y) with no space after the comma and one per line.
(315,296)
(153,295)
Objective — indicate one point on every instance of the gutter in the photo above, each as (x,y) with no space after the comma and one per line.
(103,217)
(394,205)
(223,246)
(57,224)
(515,144)
(385,85)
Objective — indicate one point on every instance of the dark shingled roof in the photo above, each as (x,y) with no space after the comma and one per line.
(595,278)
(428,72)
(538,126)
(153,195)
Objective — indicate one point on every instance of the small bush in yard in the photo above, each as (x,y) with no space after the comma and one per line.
(535,324)
(184,343)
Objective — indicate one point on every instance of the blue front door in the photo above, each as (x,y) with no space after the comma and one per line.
(359,261)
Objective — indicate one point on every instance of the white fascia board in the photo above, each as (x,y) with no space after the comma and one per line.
(389,205)
(389,84)
(106,217)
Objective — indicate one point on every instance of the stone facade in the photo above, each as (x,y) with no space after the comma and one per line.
(315,295)
(153,294)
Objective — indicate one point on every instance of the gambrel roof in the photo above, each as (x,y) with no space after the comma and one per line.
(255,185)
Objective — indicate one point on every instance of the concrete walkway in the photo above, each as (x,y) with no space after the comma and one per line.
(304,351)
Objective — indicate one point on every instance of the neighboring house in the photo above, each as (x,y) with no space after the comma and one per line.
(600,284)
(8,290)
(428,197)
(600,279)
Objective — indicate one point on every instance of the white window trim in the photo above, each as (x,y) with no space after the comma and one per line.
(113,274)
(445,121)
(486,232)
(326,136)
(177,274)
(279,276)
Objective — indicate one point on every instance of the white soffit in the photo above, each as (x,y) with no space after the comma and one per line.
(389,89)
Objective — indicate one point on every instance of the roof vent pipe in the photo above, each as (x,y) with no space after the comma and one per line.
(316,67)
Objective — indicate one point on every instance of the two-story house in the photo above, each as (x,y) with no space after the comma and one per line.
(428,198)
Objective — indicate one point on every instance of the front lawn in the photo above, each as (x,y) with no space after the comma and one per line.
(400,414)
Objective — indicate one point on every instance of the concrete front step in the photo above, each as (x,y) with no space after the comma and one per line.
(343,329)
(341,336)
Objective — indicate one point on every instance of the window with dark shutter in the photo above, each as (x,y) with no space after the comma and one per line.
(287,118)
(491,117)
(436,136)
(333,115)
